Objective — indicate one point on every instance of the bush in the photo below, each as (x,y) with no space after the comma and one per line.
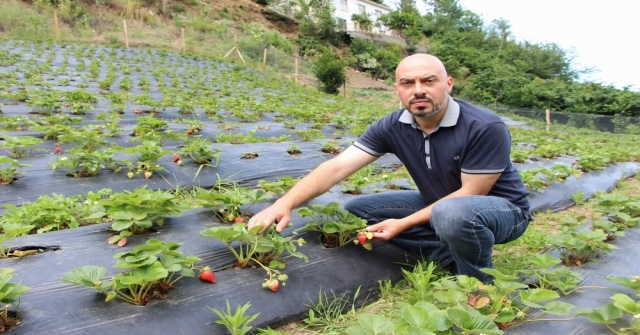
(329,69)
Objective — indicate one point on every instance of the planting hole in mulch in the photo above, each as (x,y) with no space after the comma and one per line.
(9,320)
(30,250)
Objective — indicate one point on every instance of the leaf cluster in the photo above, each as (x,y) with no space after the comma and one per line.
(153,268)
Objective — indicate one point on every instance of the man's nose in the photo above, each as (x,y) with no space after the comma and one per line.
(418,89)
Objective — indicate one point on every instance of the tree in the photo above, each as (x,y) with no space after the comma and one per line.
(501,26)
(329,69)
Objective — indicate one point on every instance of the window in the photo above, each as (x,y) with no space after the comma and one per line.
(362,9)
(377,14)
(342,24)
(342,4)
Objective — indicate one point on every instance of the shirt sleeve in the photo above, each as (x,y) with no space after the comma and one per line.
(372,141)
(489,152)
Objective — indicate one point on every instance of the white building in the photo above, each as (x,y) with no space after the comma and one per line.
(344,9)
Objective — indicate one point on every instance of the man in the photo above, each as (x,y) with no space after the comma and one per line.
(469,196)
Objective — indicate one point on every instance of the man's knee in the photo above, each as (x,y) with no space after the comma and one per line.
(447,219)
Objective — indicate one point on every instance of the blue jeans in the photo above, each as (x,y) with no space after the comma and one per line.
(462,229)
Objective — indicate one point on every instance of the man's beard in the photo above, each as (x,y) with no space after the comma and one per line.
(421,112)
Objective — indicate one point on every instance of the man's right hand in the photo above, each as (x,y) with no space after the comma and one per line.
(274,213)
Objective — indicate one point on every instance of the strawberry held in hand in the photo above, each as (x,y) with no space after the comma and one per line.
(364,238)
(207,275)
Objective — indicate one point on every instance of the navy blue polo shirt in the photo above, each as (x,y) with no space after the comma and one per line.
(468,139)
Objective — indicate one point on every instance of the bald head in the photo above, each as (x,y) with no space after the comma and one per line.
(423,62)
(423,86)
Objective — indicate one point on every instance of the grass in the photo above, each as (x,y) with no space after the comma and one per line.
(417,284)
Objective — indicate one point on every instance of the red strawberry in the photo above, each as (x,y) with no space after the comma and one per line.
(272,284)
(189,132)
(238,219)
(122,242)
(57,150)
(176,158)
(362,239)
(207,275)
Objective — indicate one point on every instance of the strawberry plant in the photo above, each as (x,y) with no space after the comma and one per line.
(149,123)
(227,202)
(154,268)
(45,103)
(577,248)
(15,123)
(293,150)
(592,162)
(389,178)
(308,134)
(49,212)
(10,170)
(20,146)
(200,151)
(331,147)
(135,212)
(280,186)
(335,224)
(150,152)
(622,209)
(193,125)
(548,275)
(9,294)
(81,163)
(265,250)
(357,181)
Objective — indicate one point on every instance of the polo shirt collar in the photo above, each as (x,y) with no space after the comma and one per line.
(449,119)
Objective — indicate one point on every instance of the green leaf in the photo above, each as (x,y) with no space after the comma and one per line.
(532,297)
(558,308)
(606,314)
(482,324)
(460,318)
(626,304)
(632,283)
(416,316)
(371,324)
(87,276)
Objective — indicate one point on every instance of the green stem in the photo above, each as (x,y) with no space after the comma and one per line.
(541,319)
(611,329)
(598,287)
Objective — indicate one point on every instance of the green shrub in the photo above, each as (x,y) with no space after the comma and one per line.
(329,69)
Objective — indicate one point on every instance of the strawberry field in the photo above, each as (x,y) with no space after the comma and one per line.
(128,173)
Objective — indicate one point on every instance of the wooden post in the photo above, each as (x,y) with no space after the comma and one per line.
(548,117)
(55,25)
(235,45)
(184,44)
(296,71)
(126,34)
(344,86)
(264,60)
